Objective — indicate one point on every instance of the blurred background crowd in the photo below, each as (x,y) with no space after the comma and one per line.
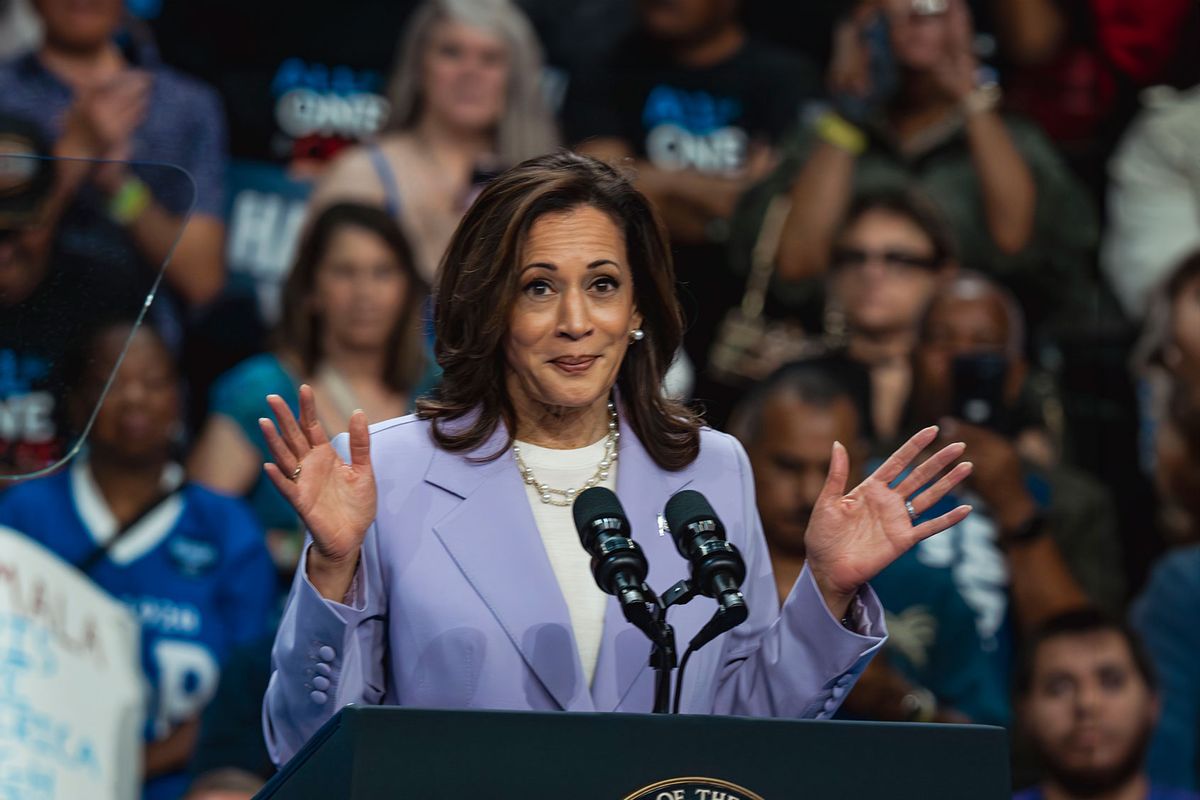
(885,214)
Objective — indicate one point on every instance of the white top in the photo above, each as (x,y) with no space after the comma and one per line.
(570,469)
(1153,197)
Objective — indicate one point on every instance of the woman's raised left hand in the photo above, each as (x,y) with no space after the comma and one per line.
(852,536)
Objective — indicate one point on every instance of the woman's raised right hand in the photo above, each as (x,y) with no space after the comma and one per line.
(335,500)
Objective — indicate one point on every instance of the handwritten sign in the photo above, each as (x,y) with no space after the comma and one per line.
(71,686)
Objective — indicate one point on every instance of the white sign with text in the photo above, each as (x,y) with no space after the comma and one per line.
(72,694)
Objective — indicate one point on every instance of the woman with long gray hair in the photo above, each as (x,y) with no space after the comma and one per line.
(466,102)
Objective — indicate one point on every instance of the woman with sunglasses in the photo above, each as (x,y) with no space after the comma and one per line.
(890,254)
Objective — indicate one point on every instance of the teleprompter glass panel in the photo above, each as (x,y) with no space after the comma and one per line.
(84,248)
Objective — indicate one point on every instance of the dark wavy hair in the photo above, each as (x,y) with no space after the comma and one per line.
(1081,622)
(300,326)
(907,204)
(479,282)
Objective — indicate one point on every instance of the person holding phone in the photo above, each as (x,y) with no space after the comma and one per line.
(933,668)
(911,106)
(1046,540)
(1043,539)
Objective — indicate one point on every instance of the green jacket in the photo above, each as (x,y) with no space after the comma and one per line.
(1053,273)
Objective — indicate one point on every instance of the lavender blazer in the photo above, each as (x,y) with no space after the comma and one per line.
(455,604)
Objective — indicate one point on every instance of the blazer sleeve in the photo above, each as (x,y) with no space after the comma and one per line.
(326,654)
(799,662)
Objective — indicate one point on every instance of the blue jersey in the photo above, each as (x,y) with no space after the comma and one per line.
(195,571)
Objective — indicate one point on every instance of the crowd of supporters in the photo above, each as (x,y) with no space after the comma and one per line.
(885,214)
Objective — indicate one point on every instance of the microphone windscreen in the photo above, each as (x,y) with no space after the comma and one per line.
(687,507)
(594,503)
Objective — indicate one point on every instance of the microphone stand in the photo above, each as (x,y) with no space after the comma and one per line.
(662,659)
(652,621)
(723,619)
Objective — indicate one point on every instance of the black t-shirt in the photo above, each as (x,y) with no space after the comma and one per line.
(681,117)
(706,119)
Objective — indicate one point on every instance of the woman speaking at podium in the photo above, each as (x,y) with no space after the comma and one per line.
(444,569)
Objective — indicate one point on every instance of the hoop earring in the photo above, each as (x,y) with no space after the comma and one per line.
(636,335)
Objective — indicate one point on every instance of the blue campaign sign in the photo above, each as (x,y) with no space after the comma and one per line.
(266,211)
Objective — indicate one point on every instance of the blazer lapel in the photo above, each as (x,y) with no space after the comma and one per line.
(493,538)
(643,488)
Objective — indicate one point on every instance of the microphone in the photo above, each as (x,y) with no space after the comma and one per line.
(618,564)
(717,567)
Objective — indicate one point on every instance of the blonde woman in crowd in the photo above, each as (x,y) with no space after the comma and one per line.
(466,102)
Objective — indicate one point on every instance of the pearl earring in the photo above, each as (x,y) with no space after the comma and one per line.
(636,335)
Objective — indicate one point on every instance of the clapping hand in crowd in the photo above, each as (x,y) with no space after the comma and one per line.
(101,122)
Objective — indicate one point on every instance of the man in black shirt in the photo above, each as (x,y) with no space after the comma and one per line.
(697,104)
(698,107)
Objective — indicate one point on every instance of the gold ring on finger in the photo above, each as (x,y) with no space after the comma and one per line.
(296,471)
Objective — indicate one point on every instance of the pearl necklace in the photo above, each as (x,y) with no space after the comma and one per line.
(565,497)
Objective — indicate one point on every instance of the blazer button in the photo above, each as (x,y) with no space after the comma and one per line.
(839,691)
(318,697)
(320,683)
(326,653)
(831,705)
(323,669)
